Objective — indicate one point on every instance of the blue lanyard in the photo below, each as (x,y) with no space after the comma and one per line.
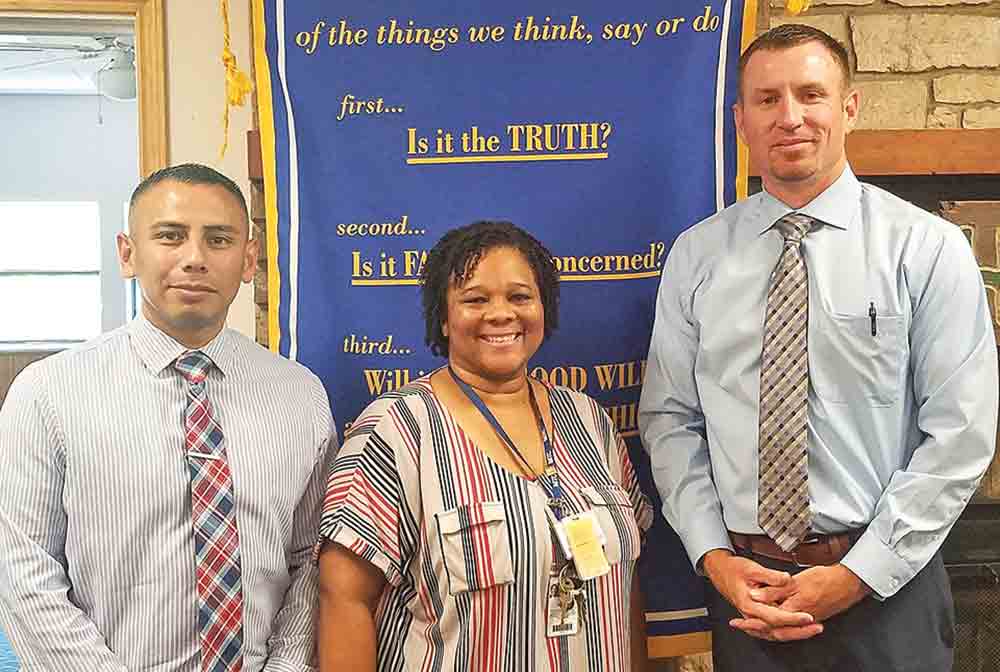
(551,484)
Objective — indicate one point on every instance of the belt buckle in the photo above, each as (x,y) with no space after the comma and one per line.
(795,552)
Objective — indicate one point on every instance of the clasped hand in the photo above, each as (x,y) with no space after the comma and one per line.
(777,606)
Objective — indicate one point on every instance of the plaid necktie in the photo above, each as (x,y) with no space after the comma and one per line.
(783,496)
(217,541)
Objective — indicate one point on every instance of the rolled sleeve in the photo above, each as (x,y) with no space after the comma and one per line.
(362,509)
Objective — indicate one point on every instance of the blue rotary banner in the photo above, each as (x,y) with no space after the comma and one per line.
(603,128)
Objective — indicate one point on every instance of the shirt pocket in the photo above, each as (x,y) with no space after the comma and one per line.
(475,546)
(613,509)
(847,364)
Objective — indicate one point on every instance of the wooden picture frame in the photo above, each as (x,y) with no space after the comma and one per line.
(151,60)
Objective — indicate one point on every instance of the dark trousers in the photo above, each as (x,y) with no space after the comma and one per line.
(912,631)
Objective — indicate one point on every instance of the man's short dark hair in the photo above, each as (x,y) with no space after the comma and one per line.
(454,259)
(189,173)
(791,35)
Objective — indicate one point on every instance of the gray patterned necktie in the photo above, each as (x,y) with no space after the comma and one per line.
(783,497)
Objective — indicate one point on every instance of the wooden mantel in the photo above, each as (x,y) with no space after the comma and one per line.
(937,151)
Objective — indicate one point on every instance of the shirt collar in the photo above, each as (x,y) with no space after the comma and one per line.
(837,205)
(157,350)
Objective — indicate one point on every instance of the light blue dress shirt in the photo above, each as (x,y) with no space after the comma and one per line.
(902,424)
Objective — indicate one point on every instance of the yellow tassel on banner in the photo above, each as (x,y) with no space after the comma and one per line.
(238,84)
(796,7)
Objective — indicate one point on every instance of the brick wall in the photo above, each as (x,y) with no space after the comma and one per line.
(917,63)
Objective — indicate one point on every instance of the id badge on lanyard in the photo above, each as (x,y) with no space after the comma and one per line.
(579,535)
(582,542)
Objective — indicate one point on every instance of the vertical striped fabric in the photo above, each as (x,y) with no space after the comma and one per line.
(95,509)
(465,546)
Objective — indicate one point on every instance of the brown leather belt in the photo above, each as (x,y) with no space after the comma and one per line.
(819,549)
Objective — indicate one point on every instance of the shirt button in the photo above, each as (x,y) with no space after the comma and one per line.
(894,582)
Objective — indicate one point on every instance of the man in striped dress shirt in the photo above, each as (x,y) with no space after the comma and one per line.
(161,483)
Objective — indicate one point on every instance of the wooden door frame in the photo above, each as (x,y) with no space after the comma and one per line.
(151,61)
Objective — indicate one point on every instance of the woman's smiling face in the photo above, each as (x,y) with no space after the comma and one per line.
(496,320)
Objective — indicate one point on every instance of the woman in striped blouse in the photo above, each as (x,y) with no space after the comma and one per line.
(479,519)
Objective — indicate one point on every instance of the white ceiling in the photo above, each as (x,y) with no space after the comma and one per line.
(55,55)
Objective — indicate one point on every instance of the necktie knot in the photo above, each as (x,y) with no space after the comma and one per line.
(194,365)
(794,227)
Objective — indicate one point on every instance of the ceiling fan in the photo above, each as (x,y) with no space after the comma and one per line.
(107,61)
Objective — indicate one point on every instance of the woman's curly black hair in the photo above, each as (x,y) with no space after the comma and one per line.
(454,259)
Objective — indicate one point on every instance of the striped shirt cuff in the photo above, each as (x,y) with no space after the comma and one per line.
(279,665)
